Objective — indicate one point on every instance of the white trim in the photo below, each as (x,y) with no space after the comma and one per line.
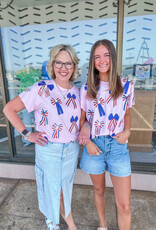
(144,182)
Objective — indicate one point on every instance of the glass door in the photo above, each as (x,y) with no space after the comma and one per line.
(29,29)
(139,64)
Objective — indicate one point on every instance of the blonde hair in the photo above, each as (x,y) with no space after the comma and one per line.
(93,81)
(54,52)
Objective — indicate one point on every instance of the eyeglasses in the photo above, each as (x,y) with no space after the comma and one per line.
(59,64)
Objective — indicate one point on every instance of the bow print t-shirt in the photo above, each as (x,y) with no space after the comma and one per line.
(57,110)
(105,114)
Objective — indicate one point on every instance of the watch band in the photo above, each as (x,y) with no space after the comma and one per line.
(25,133)
(87,124)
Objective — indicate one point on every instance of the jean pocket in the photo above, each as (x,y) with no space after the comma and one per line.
(72,176)
(119,142)
(39,178)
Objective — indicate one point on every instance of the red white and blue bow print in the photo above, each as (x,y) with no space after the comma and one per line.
(113,122)
(91,115)
(71,99)
(44,120)
(44,88)
(110,98)
(98,126)
(56,130)
(73,124)
(98,103)
(58,103)
(125,99)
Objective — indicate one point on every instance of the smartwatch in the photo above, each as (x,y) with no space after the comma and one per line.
(26,133)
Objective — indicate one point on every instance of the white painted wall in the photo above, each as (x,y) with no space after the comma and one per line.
(144,182)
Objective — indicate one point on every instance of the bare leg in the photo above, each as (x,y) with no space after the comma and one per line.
(122,190)
(69,220)
(99,198)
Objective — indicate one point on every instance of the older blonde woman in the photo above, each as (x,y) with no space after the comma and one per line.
(56,106)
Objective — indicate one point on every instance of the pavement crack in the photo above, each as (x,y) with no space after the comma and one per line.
(8,194)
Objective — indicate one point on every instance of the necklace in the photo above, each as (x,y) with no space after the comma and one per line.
(63,95)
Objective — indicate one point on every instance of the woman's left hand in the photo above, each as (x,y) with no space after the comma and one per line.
(38,138)
(84,135)
(122,136)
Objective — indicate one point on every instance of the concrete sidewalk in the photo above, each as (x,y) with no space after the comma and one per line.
(19,208)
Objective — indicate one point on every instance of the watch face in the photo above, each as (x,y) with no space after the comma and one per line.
(24,132)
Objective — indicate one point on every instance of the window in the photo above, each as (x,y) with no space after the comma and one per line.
(139,64)
(30,30)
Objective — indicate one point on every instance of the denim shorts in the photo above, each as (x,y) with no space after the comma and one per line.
(114,157)
(55,166)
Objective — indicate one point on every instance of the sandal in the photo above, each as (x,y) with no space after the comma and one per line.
(51,226)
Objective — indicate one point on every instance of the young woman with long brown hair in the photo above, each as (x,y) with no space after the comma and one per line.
(106,99)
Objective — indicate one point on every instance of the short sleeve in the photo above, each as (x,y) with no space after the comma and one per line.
(77,93)
(131,100)
(28,97)
(83,92)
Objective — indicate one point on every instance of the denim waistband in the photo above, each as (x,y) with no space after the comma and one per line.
(50,142)
(103,136)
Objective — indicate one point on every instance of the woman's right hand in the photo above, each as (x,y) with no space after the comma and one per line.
(93,149)
(37,138)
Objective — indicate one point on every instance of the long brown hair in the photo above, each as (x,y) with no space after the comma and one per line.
(93,81)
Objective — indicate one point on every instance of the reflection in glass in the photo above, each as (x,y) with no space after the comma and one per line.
(34,30)
(139,64)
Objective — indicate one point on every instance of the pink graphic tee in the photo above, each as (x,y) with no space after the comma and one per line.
(57,111)
(105,114)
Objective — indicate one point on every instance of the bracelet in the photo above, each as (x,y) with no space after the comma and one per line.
(27,135)
(87,124)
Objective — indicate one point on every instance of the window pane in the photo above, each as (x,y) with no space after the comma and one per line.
(29,32)
(139,64)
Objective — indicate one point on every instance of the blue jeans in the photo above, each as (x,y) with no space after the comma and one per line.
(114,158)
(55,166)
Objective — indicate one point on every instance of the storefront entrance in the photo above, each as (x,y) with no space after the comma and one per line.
(30,28)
